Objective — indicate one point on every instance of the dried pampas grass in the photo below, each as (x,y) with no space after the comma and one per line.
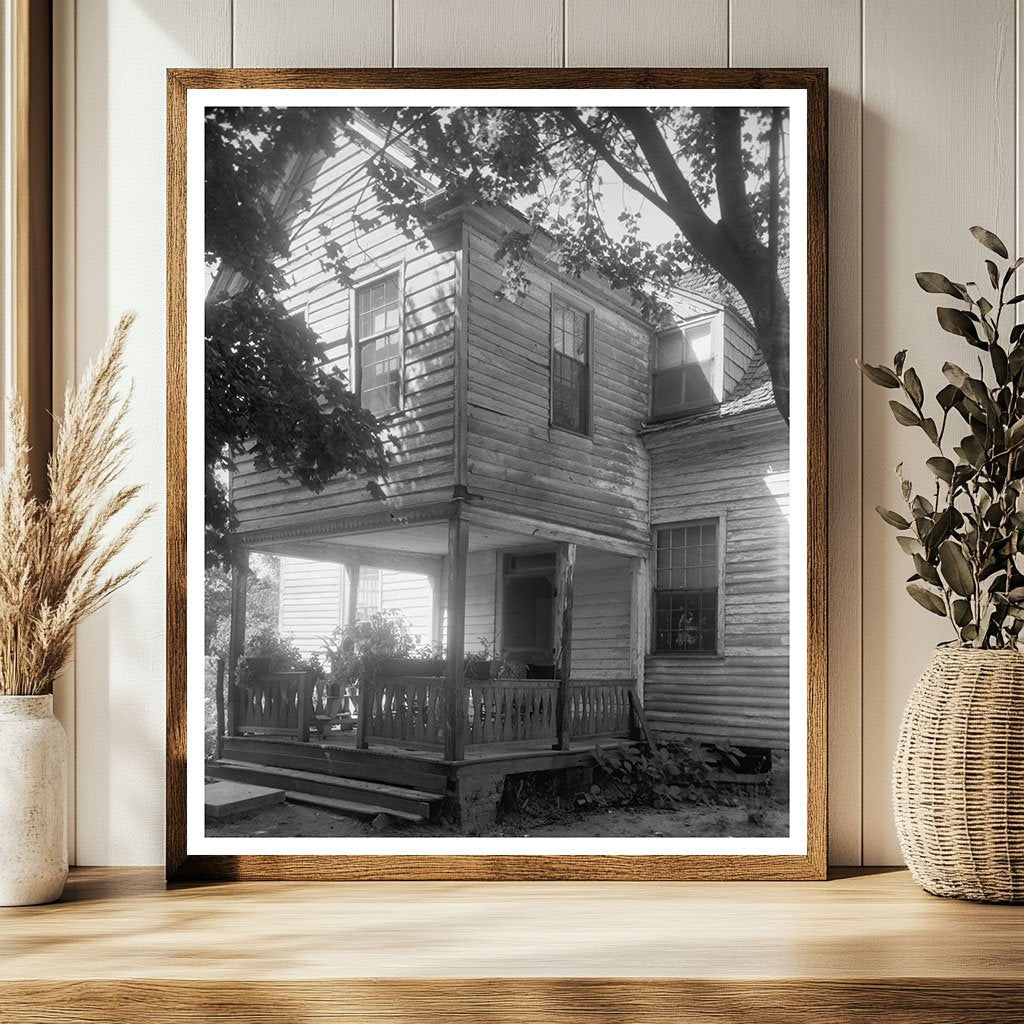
(56,556)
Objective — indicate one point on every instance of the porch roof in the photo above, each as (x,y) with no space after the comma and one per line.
(417,541)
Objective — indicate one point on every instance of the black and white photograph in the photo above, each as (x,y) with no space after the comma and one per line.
(503,483)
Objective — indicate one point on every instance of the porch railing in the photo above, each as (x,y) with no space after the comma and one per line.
(511,710)
(274,704)
(601,708)
(408,711)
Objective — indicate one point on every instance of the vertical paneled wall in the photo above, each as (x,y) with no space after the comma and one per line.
(925,141)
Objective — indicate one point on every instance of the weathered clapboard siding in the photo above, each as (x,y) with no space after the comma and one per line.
(744,700)
(737,467)
(310,602)
(409,593)
(517,462)
(422,470)
(739,347)
(601,616)
(313,595)
(481,582)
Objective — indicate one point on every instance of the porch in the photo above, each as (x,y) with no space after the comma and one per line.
(414,741)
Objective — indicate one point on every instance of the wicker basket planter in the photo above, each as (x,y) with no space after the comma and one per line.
(958,776)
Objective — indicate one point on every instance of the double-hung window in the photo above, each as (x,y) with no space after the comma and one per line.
(686,588)
(685,369)
(368,593)
(378,329)
(570,366)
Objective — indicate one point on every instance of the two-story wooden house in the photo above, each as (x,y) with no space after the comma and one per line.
(569,485)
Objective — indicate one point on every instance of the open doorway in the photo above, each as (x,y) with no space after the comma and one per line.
(527,607)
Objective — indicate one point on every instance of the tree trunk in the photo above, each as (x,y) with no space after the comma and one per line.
(769,309)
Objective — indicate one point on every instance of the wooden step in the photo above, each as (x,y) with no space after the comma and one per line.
(348,807)
(224,798)
(359,791)
(329,759)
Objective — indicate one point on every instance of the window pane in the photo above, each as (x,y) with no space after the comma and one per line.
(569,393)
(697,387)
(569,332)
(698,344)
(380,374)
(668,350)
(580,336)
(668,389)
(378,308)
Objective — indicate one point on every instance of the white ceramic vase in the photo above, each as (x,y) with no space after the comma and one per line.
(33,802)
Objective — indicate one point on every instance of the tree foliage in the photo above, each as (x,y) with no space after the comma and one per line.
(268,392)
(965,532)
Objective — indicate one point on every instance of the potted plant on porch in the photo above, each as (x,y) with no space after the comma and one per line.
(958,780)
(58,558)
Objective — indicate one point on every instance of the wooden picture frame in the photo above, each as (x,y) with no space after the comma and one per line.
(811,861)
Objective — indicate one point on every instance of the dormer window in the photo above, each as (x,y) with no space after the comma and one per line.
(686,368)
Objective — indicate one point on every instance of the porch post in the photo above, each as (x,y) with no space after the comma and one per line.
(221,726)
(351,594)
(236,634)
(640,618)
(565,569)
(454,699)
(348,613)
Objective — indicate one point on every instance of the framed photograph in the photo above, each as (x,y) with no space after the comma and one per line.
(496,474)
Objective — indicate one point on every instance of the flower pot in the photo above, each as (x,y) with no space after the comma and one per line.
(33,802)
(958,776)
(478,668)
(399,667)
(541,672)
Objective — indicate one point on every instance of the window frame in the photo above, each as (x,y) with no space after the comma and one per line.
(356,343)
(716,319)
(560,297)
(720,522)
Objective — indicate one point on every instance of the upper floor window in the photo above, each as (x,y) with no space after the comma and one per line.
(686,588)
(570,366)
(379,345)
(685,369)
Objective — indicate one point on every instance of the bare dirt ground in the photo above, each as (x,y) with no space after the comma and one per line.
(745,812)
(290,820)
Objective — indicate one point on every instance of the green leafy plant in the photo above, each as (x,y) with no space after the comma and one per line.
(507,667)
(357,651)
(267,642)
(665,776)
(276,652)
(965,530)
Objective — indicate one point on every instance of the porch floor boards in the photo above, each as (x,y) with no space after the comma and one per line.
(339,755)
(490,752)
